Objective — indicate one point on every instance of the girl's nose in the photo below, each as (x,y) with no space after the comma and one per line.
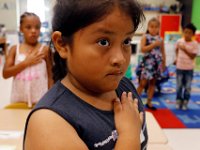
(33,30)
(118,57)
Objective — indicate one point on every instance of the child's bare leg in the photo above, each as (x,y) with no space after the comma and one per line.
(142,84)
(150,93)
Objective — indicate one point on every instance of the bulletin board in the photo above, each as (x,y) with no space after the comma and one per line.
(169,22)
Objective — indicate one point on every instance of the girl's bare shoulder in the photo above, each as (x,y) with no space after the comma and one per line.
(12,49)
(48,130)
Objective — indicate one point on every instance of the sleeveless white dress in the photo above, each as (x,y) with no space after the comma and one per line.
(30,84)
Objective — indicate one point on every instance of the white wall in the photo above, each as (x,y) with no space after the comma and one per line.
(47,11)
(10,11)
(150,14)
(8,14)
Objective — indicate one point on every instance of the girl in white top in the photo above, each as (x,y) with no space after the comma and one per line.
(29,63)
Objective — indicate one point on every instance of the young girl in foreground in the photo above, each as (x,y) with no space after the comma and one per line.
(153,63)
(29,63)
(93,106)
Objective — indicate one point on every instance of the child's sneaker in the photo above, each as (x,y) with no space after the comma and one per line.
(185,103)
(178,104)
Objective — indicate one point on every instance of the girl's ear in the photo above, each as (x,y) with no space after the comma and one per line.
(61,47)
(20,28)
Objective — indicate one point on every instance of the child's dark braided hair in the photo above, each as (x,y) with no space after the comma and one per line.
(25,14)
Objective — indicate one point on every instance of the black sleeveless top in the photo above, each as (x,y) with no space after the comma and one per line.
(95,127)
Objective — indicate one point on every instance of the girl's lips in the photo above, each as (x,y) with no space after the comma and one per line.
(117,73)
(33,36)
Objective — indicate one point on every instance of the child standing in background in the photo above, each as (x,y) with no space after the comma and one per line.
(29,63)
(186,51)
(92,105)
(153,62)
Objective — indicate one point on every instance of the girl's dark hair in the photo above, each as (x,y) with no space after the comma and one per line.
(191,27)
(73,15)
(26,14)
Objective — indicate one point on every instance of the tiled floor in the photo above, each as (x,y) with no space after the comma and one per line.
(179,139)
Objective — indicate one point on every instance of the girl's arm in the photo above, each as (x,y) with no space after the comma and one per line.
(191,51)
(48,131)
(10,69)
(163,54)
(48,59)
(146,48)
(176,52)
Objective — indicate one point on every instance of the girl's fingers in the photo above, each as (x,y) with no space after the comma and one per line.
(133,102)
(127,99)
(117,105)
(41,56)
(130,98)
(136,102)
(141,117)
(123,98)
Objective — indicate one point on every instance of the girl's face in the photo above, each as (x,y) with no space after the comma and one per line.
(30,28)
(153,28)
(188,34)
(100,53)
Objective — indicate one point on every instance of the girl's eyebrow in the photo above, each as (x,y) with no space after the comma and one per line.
(104,31)
(131,32)
(109,32)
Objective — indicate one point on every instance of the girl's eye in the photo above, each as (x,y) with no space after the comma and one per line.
(103,42)
(28,27)
(37,27)
(127,42)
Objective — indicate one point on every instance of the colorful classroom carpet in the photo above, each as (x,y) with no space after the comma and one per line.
(166,114)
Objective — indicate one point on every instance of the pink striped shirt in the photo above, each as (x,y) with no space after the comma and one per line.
(185,62)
